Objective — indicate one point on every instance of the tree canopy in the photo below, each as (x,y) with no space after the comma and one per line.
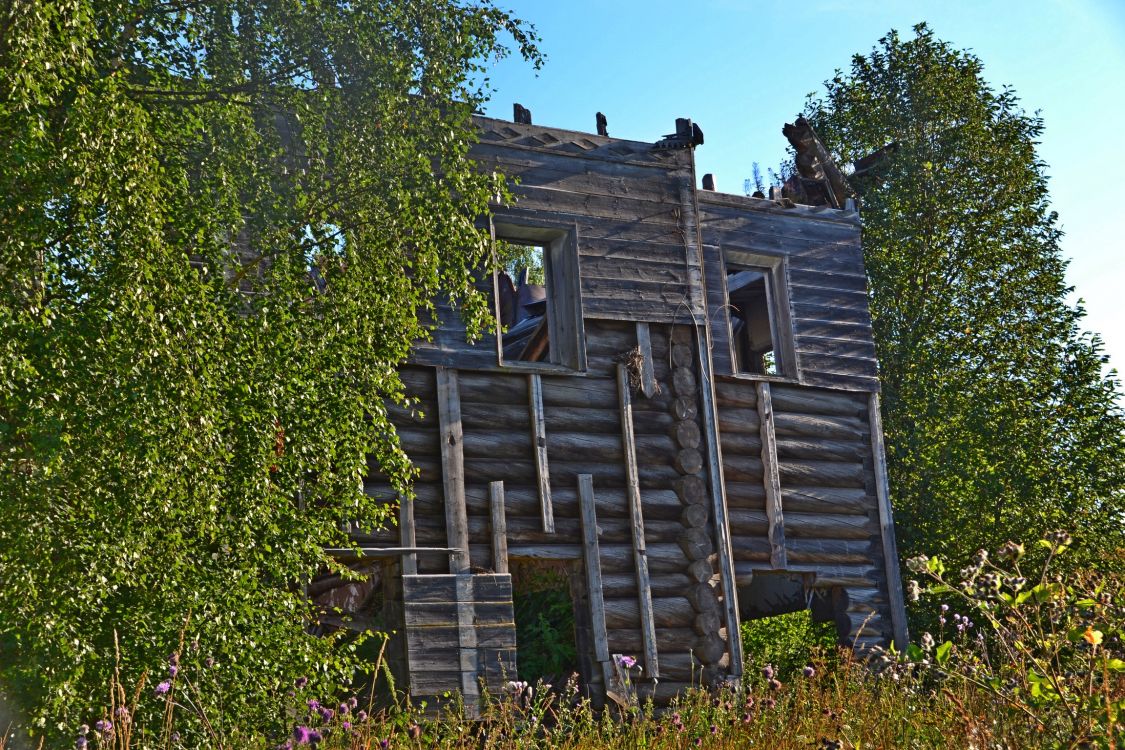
(1000,420)
(219,223)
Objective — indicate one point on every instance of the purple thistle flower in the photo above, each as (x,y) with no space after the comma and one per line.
(300,682)
(698,741)
(104,725)
(343,708)
(347,725)
(315,736)
(122,713)
(767,671)
(353,702)
(163,687)
(809,672)
(945,608)
(80,743)
(302,735)
(209,662)
(326,714)
(714,729)
(775,685)
(770,703)
(627,661)
(362,716)
(175,736)
(172,670)
(746,718)
(313,704)
(384,744)
(174,660)
(84,729)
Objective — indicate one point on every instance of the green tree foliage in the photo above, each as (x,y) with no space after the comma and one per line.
(219,222)
(1000,422)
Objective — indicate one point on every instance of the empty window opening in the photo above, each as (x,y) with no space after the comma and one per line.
(546,635)
(753,320)
(524,303)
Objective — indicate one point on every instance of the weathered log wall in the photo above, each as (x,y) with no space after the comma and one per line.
(827,284)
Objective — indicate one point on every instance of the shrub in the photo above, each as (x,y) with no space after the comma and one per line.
(788,642)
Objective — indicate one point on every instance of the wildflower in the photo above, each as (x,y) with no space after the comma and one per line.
(770,703)
(343,708)
(104,726)
(627,661)
(384,744)
(81,743)
(84,729)
(746,718)
(122,713)
(303,735)
(173,670)
(209,662)
(174,660)
(353,702)
(175,736)
(808,671)
(347,725)
(313,704)
(981,557)
(775,685)
(416,731)
(913,591)
(714,729)
(944,608)
(163,687)
(300,682)
(917,564)
(1010,551)
(698,741)
(1059,539)
(361,716)
(767,671)
(327,713)
(927,642)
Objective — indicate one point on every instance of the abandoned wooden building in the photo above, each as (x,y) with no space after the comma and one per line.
(680,418)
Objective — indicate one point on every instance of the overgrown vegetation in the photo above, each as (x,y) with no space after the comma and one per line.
(1029,661)
(218,226)
(788,642)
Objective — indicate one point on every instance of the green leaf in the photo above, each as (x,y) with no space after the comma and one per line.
(943,652)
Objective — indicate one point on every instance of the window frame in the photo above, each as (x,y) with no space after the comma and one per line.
(776,271)
(565,328)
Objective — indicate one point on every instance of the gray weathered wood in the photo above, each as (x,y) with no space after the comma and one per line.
(539,438)
(886,523)
(633,487)
(453,468)
(406,534)
(591,557)
(648,372)
(714,458)
(771,477)
(499,527)
(467,641)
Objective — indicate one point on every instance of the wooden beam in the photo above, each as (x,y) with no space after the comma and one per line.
(499,527)
(406,535)
(887,524)
(539,440)
(453,468)
(633,490)
(648,372)
(467,642)
(591,557)
(771,476)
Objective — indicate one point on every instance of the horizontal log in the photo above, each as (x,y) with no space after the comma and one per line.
(628,641)
(749,495)
(821,449)
(742,469)
(795,399)
(827,499)
(740,444)
(625,584)
(567,445)
(829,526)
(735,394)
(485,416)
(737,420)
(449,637)
(443,588)
(822,473)
(529,530)
(840,551)
(667,612)
(827,575)
(662,558)
(428,614)
(819,426)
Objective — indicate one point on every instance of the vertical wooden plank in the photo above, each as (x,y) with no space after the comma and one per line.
(591,557)
(539,440)
(467,642)
(771,477)
(704,347)
(648,372)
(887,523)
(499,527)
(636,515)
(453,469)
(406,536)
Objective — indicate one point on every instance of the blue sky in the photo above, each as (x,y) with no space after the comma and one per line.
(742,68)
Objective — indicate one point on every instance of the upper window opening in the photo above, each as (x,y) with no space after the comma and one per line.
(756,307)
(538,302)
(524,303)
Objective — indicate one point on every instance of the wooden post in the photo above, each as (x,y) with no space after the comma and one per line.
(453,469)
(633,489)
(467,643)
(539,440)
(406,536)
(771,477)
(887,523)
(499,527)
(591,558)
(648,372)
